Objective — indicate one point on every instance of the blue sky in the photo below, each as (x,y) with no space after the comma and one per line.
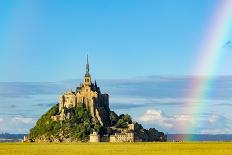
(148,45)
(123,38)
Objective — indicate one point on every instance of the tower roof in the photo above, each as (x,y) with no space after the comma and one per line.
(87,67)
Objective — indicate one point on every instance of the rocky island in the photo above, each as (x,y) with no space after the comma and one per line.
(84,115)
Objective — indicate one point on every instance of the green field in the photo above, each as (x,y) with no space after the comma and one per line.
(200,148)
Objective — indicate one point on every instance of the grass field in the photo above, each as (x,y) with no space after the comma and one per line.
(201,148)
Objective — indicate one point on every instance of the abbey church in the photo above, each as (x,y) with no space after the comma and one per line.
(84,115)
(89,96)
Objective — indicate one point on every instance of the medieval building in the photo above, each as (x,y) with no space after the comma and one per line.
(84,115)
(121,135)
(89,96)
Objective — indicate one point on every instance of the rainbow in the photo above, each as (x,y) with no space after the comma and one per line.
(208,60)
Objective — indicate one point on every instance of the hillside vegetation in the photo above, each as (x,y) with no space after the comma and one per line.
(78,127)
(81,124)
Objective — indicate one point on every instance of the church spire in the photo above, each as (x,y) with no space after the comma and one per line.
(87,75)
(87,67)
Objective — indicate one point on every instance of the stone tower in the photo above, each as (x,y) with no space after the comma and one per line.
(87,80)
(90,97)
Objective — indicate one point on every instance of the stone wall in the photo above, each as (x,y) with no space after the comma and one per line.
(122,137)
(89,96)
(94,137)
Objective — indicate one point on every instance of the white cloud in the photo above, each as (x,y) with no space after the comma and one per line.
(204,123)
(152,115)
(157,117)
(213,118)
(217,131)
(23,120)
(17,124)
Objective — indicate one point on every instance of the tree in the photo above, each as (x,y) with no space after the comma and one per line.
(127,118)
(109,131)
(121,124)
(113,118)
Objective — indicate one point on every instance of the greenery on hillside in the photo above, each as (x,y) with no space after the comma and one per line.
(123,120)
(149,135)
(77,128)
(45,125)
(80,124)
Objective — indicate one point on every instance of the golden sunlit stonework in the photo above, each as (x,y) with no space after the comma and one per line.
(122,135)
(84,115)
(89,96)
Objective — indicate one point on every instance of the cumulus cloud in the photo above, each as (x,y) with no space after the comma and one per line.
(22,120)
(17,124)
(156,116)
(207,123)
(216,131)
(161,120)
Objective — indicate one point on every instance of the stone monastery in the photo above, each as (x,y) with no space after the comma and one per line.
(88,95)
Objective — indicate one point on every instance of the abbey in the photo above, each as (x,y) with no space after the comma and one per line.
(84,115)
(89,96)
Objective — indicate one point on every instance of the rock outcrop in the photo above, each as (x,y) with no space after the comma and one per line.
(84,111)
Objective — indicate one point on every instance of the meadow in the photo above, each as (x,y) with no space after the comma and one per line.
(180,148)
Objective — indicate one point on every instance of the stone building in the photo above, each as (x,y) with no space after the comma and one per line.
(122,137)
(94,137)
(88,95)
(131,127)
